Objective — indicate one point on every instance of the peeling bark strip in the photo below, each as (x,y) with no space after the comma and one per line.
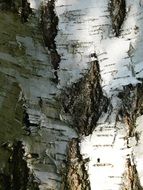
(77,178)
(117,12)
(49,27)
(131,179)
(85,102)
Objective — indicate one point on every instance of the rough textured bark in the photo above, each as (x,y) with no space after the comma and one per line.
(71,95)
(87,91)
(77,177)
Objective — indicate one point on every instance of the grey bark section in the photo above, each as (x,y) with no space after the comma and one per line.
(29,109)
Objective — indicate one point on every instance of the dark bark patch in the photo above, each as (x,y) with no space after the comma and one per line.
(49,22)
(76,178)
(85,101)
(25,11)
(17,176)
(21,7)
(117,10)
(131,179)
(4,181)
(132,107)
(8,5)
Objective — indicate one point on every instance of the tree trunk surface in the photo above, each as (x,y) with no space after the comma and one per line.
(71,95)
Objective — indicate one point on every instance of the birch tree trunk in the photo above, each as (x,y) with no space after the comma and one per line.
(71,95)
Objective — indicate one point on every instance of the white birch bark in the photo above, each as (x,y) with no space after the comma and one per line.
(85,27)
(86,33)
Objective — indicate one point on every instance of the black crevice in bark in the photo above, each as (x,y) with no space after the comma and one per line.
(117,10)
(18,176)
(85,101)
(139,99)
(27,124)
(49,21)
(76,175)
(19,168)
